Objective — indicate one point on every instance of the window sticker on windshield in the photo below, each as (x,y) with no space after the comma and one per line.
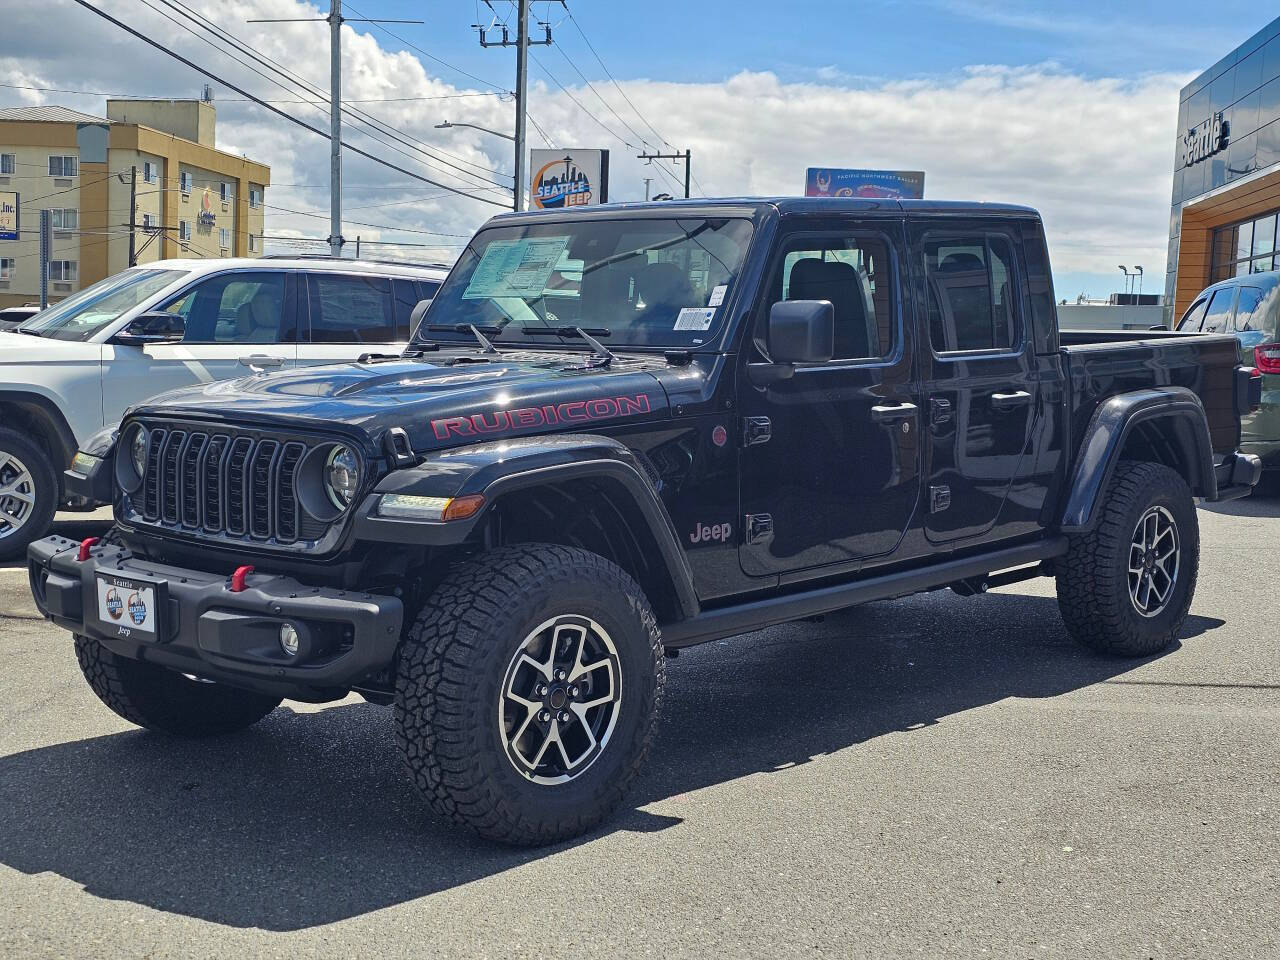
(717,295)
(515,268)
(695,318)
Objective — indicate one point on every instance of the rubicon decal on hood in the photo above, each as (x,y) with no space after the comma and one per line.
(528,418)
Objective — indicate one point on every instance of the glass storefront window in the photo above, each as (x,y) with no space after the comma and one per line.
(1264,235)
(1244,248)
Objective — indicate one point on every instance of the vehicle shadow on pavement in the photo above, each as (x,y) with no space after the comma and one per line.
(306,819)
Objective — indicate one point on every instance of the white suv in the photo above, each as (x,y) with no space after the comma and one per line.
(75,368)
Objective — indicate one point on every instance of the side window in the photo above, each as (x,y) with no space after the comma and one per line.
(855,274)
(351,309)
(972,293)
(1194,317)
(1215,320)
(1250,312)
(233,308)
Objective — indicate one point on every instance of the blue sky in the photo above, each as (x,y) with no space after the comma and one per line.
(1070,108)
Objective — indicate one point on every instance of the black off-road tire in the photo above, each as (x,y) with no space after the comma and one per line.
(451,675)
(1093,578)
(44,482)
(160,699)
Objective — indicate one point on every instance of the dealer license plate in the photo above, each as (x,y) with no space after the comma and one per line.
(127,604)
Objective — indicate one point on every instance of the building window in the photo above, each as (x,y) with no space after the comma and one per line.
(255,197)
(146,221)
(7,265)
(224,238)
(149,171)
(64,218)
(1242,248)
(224,191)
(8,163)
(185,182)
(63,166)
(63,271)
(184,231)
(253,243)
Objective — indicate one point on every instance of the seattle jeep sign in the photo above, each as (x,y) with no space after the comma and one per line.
(1204,140)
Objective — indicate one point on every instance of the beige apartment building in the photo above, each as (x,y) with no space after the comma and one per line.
(190,199)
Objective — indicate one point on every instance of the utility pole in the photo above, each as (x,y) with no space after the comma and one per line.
(522,43)
(46,248)
(687,157)
(335,19)
(133,216)
(647,181)
(335,127)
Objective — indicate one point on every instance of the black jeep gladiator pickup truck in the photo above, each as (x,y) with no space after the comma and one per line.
(622,431)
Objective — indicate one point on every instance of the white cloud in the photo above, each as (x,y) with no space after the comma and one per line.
(1093,154)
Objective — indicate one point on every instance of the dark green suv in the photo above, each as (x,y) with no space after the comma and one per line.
(1248,306)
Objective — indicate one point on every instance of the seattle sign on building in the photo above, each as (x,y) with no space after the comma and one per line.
(1205,139)
(568,178)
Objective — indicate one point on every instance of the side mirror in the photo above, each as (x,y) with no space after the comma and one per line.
(802,331)
(157,327)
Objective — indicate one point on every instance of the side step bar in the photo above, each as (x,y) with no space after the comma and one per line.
(758,614)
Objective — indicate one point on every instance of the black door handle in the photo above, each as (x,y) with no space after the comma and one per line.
(1008,401)
(887,414)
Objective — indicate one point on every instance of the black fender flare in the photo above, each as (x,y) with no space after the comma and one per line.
(1113,423)
(497,468)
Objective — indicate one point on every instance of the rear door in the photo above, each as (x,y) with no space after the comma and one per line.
(830,463)
(237,323)
(981,393)
(352,314)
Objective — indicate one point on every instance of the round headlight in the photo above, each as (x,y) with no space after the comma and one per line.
(342,476)
(138,451)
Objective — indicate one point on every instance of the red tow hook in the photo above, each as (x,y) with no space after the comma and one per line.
(237,578)
(86,545)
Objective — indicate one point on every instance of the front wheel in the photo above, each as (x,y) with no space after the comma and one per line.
(28,493)
(158,699)
(1125,587)
(527,692)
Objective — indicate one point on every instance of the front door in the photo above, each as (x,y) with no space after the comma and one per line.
(830,458)
(236,323)
(981,392)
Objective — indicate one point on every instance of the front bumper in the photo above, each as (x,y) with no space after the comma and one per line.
(203,627)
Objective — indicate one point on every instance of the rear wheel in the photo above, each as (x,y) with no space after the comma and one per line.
(160,699)
(1126,586)
(28,493)
(527,692)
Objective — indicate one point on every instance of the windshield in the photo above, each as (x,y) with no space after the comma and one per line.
(648,282)
(83,314)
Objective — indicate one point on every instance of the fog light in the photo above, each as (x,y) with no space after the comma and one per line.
(289,639)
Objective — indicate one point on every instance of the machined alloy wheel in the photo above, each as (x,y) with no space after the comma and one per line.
(1154,554)
(560,699)
(17,494)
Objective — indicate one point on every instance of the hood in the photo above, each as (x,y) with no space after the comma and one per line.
(24,348)
(440,400)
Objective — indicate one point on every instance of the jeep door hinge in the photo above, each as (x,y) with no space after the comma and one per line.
(939,498)
(759,527)
(756,430)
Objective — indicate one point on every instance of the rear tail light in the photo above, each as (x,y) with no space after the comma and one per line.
(1266,356)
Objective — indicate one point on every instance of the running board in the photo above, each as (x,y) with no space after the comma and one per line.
(758,614)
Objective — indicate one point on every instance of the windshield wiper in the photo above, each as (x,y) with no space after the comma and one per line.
(29,333)
(477,332)
(598,349)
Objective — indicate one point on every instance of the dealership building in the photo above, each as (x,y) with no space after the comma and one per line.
(189,199)
(1226,171)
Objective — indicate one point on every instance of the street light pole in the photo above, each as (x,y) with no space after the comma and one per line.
(497,133)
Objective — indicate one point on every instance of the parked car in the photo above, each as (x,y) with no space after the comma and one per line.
(732,414)
(1248,308)
(77,366)
(10,317)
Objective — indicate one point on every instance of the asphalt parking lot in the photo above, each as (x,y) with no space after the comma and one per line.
(930,777)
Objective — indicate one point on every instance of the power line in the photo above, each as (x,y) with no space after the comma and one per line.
(615,83)
(276,110)
(308,88)
(590,86)
(137,96)
(601,123)
(432,56)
